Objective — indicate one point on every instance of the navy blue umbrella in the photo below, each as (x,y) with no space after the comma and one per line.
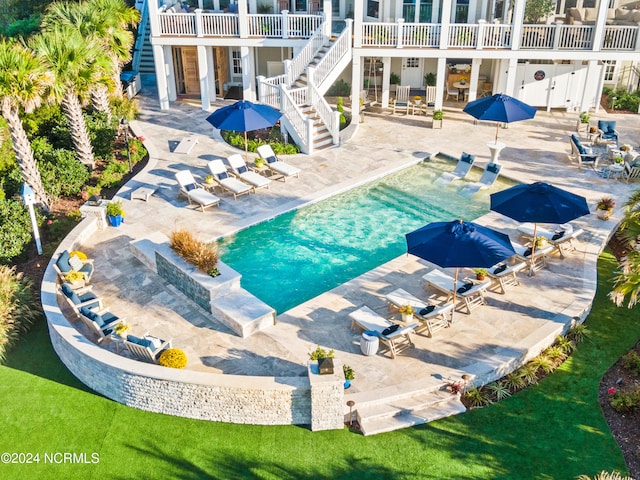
(500,108)
(244,116)
(459,244)
(539,202)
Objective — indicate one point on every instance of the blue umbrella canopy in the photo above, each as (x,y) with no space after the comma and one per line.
(500,108)
(459,244)
(244,116)
(539,202)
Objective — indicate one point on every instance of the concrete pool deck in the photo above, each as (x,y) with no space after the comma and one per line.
(507,328)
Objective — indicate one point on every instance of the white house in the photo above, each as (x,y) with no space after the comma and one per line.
(287,53)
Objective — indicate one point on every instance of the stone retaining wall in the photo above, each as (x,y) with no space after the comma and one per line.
(200,395)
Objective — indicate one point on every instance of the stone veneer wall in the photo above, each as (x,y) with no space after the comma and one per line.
(200,395)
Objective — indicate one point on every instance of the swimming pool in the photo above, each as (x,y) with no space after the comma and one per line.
(304,253)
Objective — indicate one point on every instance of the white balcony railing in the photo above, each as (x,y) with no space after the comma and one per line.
(228,25)
(497,36)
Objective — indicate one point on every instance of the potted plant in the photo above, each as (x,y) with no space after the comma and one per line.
(75,279)
(604,209)
(481,273)
(259,162)
(430,79)
(618,159)
(349,375)
(324,358)
(121,328)
(625,148)
(417,99)
(541,242)
(209,180)
(583,122)
(407,312)
(115,213)
(438,115)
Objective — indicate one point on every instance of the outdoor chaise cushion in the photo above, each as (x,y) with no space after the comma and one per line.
(505,275)
(462,169)
(226,181)
(369,320)
(560,237)
(194,192)
(284,169)
(473,297)
(240,168)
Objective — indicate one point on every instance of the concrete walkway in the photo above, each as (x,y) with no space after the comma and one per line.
(503,331)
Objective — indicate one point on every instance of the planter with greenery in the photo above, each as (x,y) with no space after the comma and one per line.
(438,115)
(407,312)
(481,273)
(583,122)
(115,213)
(604,209)
(324,359)
(349,374)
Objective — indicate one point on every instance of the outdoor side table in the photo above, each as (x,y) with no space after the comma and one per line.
(142,193)
(369,344)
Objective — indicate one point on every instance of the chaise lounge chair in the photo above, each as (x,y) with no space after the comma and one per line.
(489,177)
(242,171)
(473,297)
(504,275)
(226,181)
(369,320)
(561,237)
(462,169)
(539,259)
(194,192)
(431,317)
(146,348)
(67,263)
(283,168)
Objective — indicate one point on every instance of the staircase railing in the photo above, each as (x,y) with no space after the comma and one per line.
(339,48)
(329,117)
(298,125)
(142,33)
(294,68)
(269,90)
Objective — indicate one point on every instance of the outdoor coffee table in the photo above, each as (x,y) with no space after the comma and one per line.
(142,193)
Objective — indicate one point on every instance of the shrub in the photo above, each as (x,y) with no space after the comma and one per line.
(565,344)
(631,362)
(61,171)
(49,122)
(123,106)
(528,373)
(173,358)
(136,150)
(500,390)
(15,230)
(340,87)
(18,308)
(102,133)
(477,397)
(115,208)
(320,352)
(543,363)
(203,255)
(578,332)
(278,147)
(515,381)
(625,401)
(555,354)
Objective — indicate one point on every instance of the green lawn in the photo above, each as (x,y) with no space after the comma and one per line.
(554,430)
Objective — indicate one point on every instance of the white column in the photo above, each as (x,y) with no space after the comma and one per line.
(444,25)
(441,79)
(161,76)
(203,73)
(327,11)
(243,21)
(154,21)
(358,8)
(356,82)
(601,23)
(212,74)
(587,93)
(386,75)
(473,81)
(248,73)
(516,24)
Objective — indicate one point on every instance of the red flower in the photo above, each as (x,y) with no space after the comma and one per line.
(611,391)
(49,222)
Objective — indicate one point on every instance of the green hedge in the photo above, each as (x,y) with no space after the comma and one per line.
(15,230)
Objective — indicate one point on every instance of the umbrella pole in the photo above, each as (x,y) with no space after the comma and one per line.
(455,291)
(246,148)
(497,130)
(533,250)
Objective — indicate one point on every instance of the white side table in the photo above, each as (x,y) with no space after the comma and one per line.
(369,344)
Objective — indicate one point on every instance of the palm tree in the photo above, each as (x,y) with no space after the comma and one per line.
(627,279)
(106,22)
(77,63)
(23,82)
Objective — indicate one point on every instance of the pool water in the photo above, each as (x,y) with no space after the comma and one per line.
(301,254)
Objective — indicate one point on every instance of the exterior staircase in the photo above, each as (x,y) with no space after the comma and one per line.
(142,60)
(403,406)
(299,92)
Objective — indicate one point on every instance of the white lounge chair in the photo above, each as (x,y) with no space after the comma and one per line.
(242,171)
(473,297)
(431,317)
(505,275)
(462,169)
(369,320)
(488,178)
(539,259)
(100,322)
(194,192)
(226,181)
(277,166)
(561,236)
(147,348)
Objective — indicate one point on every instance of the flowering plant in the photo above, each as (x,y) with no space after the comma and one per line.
(121,328)
(406,310)
(417,97)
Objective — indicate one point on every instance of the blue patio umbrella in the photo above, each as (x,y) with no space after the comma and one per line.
(244,116)
(539,202)
(459,244)
(500,108)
